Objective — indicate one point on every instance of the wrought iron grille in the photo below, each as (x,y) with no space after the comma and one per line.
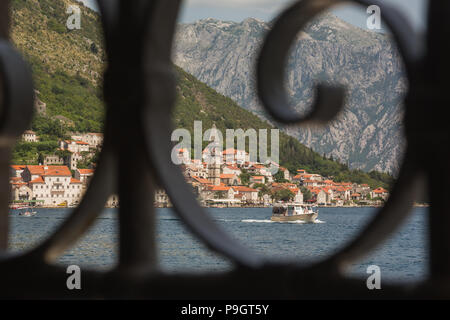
(139,91)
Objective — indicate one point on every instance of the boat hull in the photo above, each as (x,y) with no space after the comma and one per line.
(310,217)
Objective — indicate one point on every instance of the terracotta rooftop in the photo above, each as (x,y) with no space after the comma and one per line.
(86,171)
(72,180)
(18,167)
(49,170)
(37,180)
(218,188)
(201,180)
(227,176)
(244,189)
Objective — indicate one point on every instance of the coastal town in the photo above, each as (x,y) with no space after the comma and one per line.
(231,180)
(235,181)
(58,181)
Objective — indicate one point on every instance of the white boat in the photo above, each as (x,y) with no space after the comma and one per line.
(293,212)
(27,212)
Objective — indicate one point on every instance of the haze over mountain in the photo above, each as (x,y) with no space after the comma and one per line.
(367,135)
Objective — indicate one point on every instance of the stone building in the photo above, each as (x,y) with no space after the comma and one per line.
(95,140)
(74,146)
(51,185)
(53,160)
(84,175)
(30,136)
(16,170)
(72,160)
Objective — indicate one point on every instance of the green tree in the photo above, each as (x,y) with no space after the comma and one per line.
(307,195)
(245,177)
(219,195)
(283,195)
(262,189)
(279,177)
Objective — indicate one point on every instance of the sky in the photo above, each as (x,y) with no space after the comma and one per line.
(238,10)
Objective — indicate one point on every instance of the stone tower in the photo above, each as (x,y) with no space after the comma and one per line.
(215,152)
(214,173)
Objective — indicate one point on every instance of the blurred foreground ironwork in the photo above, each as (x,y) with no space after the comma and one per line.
(139,90)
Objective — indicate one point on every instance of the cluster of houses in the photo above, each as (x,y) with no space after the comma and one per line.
(57,181)
(219,183)
(50,186)
(226,178)
(79,147)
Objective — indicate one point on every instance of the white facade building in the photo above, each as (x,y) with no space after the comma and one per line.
(74,146)
(53,185)
(30,136)
(84,175)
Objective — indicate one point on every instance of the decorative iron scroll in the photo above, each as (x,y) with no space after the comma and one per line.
(139,90)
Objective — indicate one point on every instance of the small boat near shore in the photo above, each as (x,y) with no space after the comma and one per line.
(27,213)
(293,212)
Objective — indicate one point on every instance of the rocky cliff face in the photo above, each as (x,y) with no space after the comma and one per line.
(367,134)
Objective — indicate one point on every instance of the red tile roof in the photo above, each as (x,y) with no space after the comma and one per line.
(49,170)
(258,166)
(218,188)
(18,167)
(72,180)
(86,171)
(19,183)
(37,180)
(244,189)
(227,176)
(201,180)
(380,190)
(64,171)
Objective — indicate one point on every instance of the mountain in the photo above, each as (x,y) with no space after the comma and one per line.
(67,68)
(199,102)
(67,64)
(367,134)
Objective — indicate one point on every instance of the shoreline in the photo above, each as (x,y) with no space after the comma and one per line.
(235,207)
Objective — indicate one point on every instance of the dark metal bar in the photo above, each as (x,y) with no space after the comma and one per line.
(137,213)
(4,150)
(4,19)
(435,105)
(140,94)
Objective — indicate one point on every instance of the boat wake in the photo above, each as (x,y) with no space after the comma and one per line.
(270,221)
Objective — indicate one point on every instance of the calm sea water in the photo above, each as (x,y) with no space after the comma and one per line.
(403,257)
